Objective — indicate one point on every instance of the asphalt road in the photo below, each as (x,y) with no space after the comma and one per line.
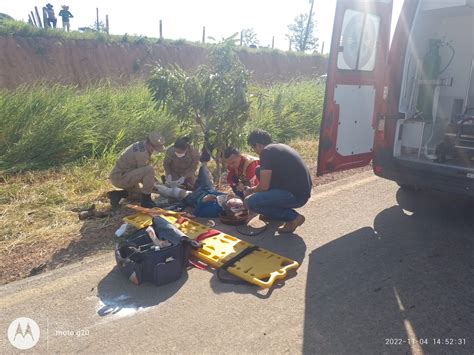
(382,271)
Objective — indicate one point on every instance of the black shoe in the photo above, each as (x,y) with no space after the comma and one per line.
(205,156)
(147,202)
(116,196)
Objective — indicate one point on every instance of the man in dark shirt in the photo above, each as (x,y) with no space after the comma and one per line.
(284,182)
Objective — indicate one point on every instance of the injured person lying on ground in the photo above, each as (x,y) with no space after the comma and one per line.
(205,200)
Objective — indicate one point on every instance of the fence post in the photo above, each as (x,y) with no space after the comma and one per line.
(203,34)
(38,15)
(33,18)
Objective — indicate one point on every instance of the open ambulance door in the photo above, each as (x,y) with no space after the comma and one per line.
(354,84)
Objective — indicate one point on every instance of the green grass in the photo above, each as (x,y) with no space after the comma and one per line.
(45,126)
(288,111)
(18,28)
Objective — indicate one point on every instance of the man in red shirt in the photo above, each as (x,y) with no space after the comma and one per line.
(241,170)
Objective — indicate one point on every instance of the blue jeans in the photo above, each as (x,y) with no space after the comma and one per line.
(275,204)
(202,187)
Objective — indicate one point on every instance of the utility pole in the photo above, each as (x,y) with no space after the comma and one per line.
(97,19)
(303,47)
(203,34)
(273,42)
(107,23)
(161,29)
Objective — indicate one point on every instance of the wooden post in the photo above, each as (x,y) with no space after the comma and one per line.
(322,48)
(46,23)
(273,42)
(161,29)
(203,34)
(33,18)
(97,18)
(38,16)
(107,23)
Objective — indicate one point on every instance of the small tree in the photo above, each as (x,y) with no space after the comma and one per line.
(214,98)
(298,33)
(249,37)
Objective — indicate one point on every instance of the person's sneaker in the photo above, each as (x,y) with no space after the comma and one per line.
(205,156)
(290,226)
(264,218)
(115,197)
(146,201)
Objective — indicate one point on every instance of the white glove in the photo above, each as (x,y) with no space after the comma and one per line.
(180,181)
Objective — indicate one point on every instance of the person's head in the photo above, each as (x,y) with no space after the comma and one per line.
(181,146)
(65,7)
(232,157)
(259,139)
(155,142)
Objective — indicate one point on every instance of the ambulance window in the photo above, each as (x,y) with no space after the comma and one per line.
(358,42)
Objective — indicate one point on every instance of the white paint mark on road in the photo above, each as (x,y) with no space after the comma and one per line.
(399,301)
(415,347)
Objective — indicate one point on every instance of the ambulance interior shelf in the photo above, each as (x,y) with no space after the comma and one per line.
(437,94)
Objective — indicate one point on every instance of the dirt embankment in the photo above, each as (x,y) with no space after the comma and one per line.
(82,62)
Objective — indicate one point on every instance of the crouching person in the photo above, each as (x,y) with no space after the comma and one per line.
(133,173)
(284,182)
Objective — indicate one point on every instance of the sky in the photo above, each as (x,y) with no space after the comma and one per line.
(186,18)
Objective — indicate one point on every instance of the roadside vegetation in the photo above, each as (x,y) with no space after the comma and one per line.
(10,27)
(58,144)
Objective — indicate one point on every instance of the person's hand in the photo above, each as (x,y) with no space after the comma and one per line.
(240,187)
(247,191)
(180,181)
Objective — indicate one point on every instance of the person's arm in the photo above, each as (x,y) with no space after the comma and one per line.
(194,164)
(142,159)
(263,184)
(70,15)
(167,162)
(251,176)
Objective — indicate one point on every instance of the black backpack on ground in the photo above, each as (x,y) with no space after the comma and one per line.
(140,261)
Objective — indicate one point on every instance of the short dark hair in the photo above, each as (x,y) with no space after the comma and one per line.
(230,151)
(259,136)
(182,143)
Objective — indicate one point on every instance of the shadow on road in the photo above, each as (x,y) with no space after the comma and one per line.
(409,276)
(119,296)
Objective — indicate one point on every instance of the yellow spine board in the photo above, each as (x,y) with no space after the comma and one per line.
(261,267)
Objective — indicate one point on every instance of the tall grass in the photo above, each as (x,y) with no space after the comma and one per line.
(289,110)
(46,126)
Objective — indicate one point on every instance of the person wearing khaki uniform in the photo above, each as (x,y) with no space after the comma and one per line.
(133,173)
(181,163)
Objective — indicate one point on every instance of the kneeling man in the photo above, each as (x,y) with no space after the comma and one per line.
(133,172)
(284,182)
